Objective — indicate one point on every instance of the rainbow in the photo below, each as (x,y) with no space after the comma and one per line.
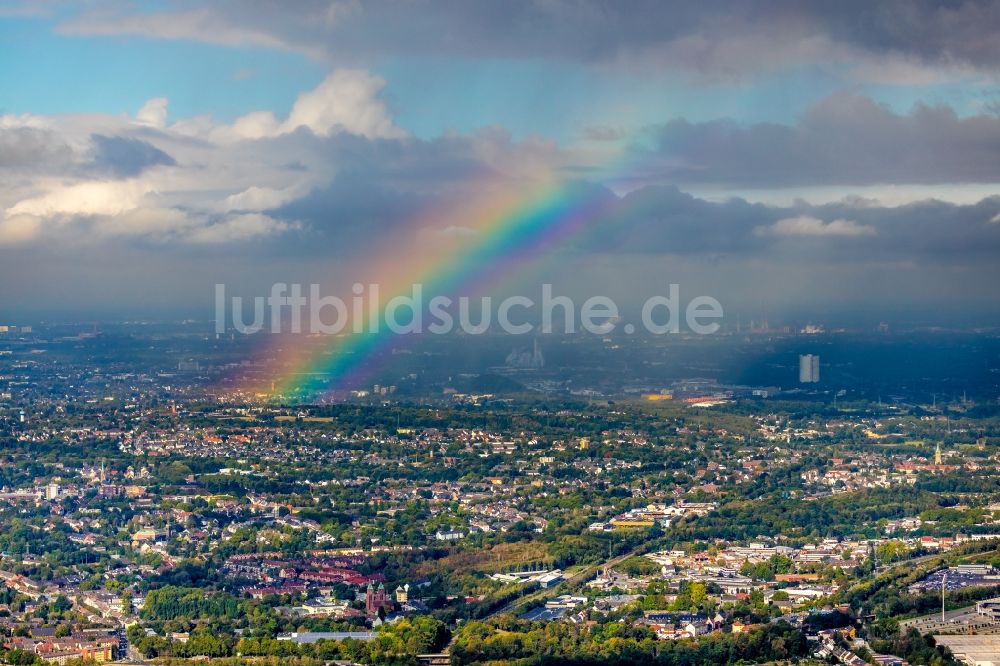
(500,231)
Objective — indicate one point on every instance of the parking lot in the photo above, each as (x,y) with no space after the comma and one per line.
(956,580)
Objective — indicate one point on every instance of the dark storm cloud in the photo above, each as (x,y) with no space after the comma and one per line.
(947,32)
(381,184)
(846,139)
(124,157)
(347,216)
(711,38)
(431,163)
(665,220)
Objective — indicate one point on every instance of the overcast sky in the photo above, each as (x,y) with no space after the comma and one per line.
(800,155)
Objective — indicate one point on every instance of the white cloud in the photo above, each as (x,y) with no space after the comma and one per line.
(995,219)
(153,113)
(156,223)
(12,121)
(87,198)
(347,100)
(256,198)
(256,125)
(167,224)
(805,226)
(240,228)
(220,169)
(224,178)
(97,223)
(18,229)
(201,25)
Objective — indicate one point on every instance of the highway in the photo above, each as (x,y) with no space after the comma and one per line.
(578,578)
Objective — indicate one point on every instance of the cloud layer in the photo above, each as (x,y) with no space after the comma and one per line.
(85,178)
(897,41)
(846,139)
(336,182)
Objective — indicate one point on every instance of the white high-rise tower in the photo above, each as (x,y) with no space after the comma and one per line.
(808,368)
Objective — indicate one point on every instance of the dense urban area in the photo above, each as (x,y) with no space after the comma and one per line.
(500,332)
(670,511)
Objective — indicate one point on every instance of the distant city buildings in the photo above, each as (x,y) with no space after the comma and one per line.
(526,360)
(174,476)
(808,368)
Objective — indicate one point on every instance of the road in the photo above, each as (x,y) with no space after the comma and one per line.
(916,561)
(578,578)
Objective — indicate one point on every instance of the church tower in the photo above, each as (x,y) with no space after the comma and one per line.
(374,599)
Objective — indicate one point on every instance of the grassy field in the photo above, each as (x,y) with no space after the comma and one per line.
(502,557)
